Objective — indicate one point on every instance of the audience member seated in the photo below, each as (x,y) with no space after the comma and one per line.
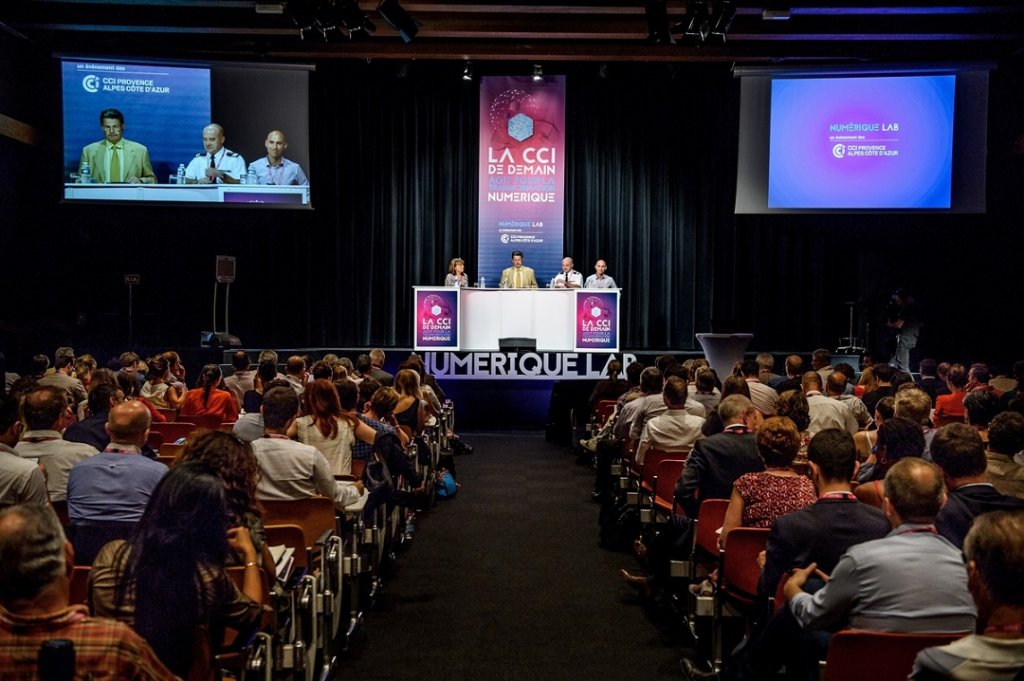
(835,389)
(793,405)
(177,370)
(241,379)
(825,412)
(977,379)
(46,414)
(764,398)
(21,481)
(950,408)
(158,389)
(929,380)
(411,410)
(867,382)
(912,580)
(296,374)
(168,579)
(675,428)
(820,534)
(610,388)
(733,385)
(115,484)
(960,453)
(704,390)
(1005,439)
(266,371)
(131,386)
(898,438)
(36,563)
(865,439)
(376,369)
(980,407)
(328,427)
(651,383)
(208,398)
(378,413)
(766,366)
(791,381)
(92,430)
(63,376)
(994,549)
(292,470)
(883,375)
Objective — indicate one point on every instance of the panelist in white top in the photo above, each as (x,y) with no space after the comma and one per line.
(217,164)
(599,279)
(568,277)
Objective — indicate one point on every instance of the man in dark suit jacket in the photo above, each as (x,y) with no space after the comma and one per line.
(958,450)
(716,461)
(791,381)
(820,534)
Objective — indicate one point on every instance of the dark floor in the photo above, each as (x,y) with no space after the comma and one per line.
(506,581)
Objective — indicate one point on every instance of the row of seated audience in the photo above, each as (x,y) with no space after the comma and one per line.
(872,521)
(175,530)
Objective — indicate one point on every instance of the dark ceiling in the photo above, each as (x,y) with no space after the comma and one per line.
(584,30)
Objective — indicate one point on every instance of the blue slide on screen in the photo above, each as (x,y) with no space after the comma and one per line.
(164,107)
(870,142)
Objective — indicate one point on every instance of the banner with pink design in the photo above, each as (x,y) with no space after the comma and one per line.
(597,320)
(436,318)
(522,175)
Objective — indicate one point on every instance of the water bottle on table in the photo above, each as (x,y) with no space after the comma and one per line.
(85,176)
(180,178)
(250,177)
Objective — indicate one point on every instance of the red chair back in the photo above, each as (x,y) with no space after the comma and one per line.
(709,520)
(893,654)
(740,572)
(602,410)
(209,421)
(173,430)
(667,474)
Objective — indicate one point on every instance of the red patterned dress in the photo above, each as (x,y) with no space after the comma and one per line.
(767,496)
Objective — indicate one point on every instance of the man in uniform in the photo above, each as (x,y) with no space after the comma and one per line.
(218,165)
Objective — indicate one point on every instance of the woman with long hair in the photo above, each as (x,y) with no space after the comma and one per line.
(328,427)
(208,398)
(158,389)
(168,579)
(233,461)
(410,410)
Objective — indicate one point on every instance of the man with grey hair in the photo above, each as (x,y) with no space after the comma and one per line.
(377,372)
(36,562)
(217,164)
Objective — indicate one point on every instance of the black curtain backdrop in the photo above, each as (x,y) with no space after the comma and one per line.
(651,162)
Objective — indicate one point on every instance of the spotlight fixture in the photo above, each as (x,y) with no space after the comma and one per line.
(657,22)
(467,71)
(397,18)
(721,20)
(538,73)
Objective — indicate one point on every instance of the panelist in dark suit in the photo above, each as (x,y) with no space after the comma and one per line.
(115,159)
(716,461)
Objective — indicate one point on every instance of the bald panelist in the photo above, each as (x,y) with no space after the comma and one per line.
(274,168)
(217,164)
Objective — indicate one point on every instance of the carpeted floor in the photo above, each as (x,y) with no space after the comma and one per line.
(506,581)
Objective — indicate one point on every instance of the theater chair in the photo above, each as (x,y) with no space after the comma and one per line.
(653,459)
(172,431)
(88,538)
(854,655)
(322,582)
(602,412)
(78,592)
(208,421)
(738,576)
(703,558)
(663,502)
(249,654)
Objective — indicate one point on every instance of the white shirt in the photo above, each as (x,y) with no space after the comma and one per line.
(57,454)
(570,277)
(292,470)
(672,430)
(225,160)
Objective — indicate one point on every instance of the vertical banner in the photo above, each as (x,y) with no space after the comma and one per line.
(436,318)
(522,174)
(597,320)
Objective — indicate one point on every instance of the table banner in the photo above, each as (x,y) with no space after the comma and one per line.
(597,320)
(522,174)
(436,318)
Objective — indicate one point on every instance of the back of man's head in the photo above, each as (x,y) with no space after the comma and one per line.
(821,358)
(100,396)
(651,381)
(240,360)
(958,450)
(995,546)
(363,364)
(295,366)
(811,380)
(835,384)
(43,407)
(794,366)
(899,438)
(705,379)
(662,361)
(267,355)
(377,357)
(128,360)
(981,406)
(834,453)
(1006,433)
(32,553)
(633,371)
(765,361)
(733,408)
(678,370)
(128,423)
(675,392)
(348,394)
(280,405)
(846,369)
(979,373)
(321,370)
(915,489)
(367,387)
(750,368)
(64,358)
(926,367)
(884,372)
(913,404)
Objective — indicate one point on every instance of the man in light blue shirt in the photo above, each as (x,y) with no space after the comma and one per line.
(274,168)
(599,279)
